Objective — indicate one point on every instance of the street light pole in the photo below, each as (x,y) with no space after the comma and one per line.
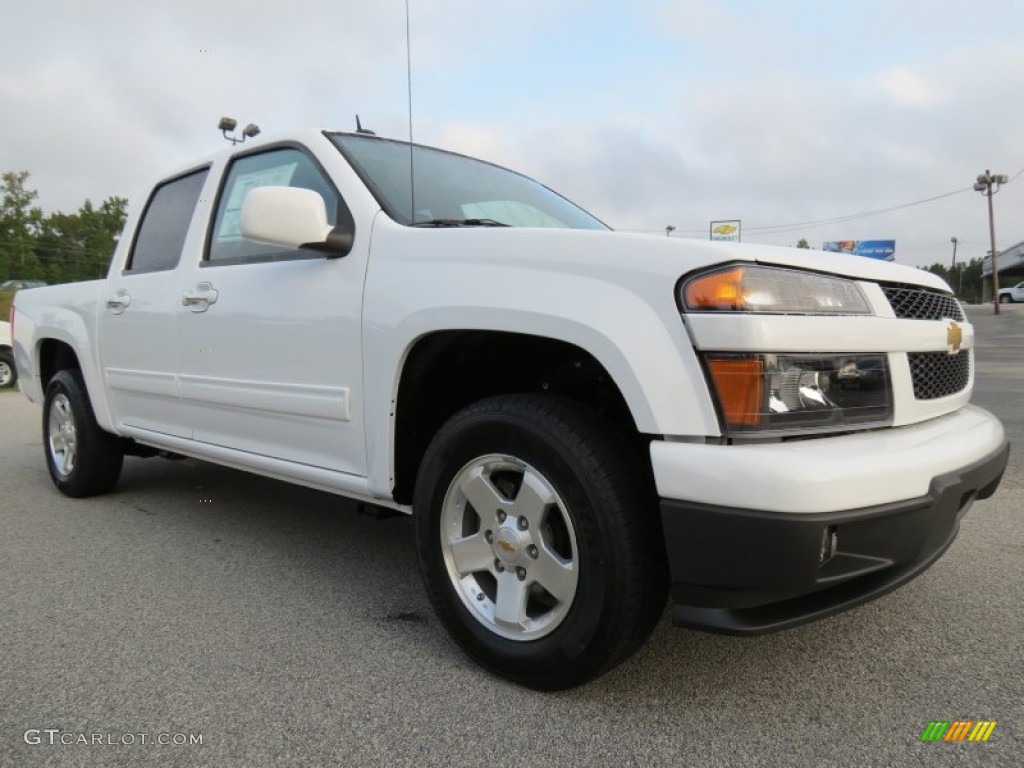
(995,256)
(985,183)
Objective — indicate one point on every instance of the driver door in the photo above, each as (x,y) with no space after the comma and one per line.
(269,340)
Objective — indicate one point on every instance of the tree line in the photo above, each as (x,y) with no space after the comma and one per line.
(965,279)
(56,247)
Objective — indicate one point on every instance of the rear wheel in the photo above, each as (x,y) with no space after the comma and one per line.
(83,459)
(8,373)
(538,540)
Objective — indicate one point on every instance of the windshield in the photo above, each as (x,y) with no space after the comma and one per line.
(454,190)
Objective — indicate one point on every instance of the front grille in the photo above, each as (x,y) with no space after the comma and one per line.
(922,304)
(938,374)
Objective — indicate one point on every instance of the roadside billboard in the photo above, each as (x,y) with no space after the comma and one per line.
(884,250)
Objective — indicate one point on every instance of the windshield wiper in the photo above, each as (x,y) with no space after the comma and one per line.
(458,223)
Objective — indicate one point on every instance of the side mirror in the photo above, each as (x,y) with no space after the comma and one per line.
(294,218)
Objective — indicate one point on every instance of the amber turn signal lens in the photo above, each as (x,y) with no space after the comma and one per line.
(719,290)
(740,387)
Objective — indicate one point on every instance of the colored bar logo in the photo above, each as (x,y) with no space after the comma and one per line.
(958,730)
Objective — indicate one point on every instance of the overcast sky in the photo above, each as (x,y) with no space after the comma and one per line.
(648,113)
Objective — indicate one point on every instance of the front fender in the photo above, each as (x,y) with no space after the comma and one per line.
(640,342)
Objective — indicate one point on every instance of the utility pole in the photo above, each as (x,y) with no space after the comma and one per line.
(985,183)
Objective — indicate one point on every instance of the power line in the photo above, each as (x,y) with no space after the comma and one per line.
(778,229)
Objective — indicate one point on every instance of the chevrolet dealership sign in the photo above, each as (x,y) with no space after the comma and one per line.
(727,231)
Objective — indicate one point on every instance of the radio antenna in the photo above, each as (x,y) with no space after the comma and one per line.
(408,68)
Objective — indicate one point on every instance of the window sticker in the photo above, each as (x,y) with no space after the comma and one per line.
(278,176)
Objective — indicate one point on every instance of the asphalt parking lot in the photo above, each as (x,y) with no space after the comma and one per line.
(287,630)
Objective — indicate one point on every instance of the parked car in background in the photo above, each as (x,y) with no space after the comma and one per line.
(1012,295)
(8,373)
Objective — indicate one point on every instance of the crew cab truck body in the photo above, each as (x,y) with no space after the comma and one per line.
(579,420)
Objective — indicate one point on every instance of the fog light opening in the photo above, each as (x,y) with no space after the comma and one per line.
(829,544)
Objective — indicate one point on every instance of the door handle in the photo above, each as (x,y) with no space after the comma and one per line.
(119,302)
(202,297)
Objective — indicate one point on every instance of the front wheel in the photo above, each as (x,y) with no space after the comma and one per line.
(83,459)
(1005,299)
(538,540)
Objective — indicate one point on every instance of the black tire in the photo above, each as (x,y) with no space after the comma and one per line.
(96,455)
(1005,299)
(605,490)
(8,372)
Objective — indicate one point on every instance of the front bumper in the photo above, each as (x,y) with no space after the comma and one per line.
(748,571)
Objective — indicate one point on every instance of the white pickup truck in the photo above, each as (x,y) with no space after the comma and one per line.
(1011,295)
(579,420)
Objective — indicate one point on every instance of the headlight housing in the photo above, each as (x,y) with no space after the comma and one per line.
(755,288)
(770,394)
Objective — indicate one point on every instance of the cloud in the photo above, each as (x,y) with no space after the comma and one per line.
(907,88)
(99,100)
(782,147)
(662,113)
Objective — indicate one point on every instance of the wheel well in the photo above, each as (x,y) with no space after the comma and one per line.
(448,370)
(55,356)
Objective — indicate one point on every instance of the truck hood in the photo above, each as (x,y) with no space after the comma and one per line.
(624,257)
(846,265)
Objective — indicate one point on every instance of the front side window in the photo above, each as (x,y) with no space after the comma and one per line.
(288,167)
(418,185)
(164,225)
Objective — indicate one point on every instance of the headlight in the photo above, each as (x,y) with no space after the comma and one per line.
(770,289)
(799,392)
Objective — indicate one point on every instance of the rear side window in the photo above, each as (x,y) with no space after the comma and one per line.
(161,235)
